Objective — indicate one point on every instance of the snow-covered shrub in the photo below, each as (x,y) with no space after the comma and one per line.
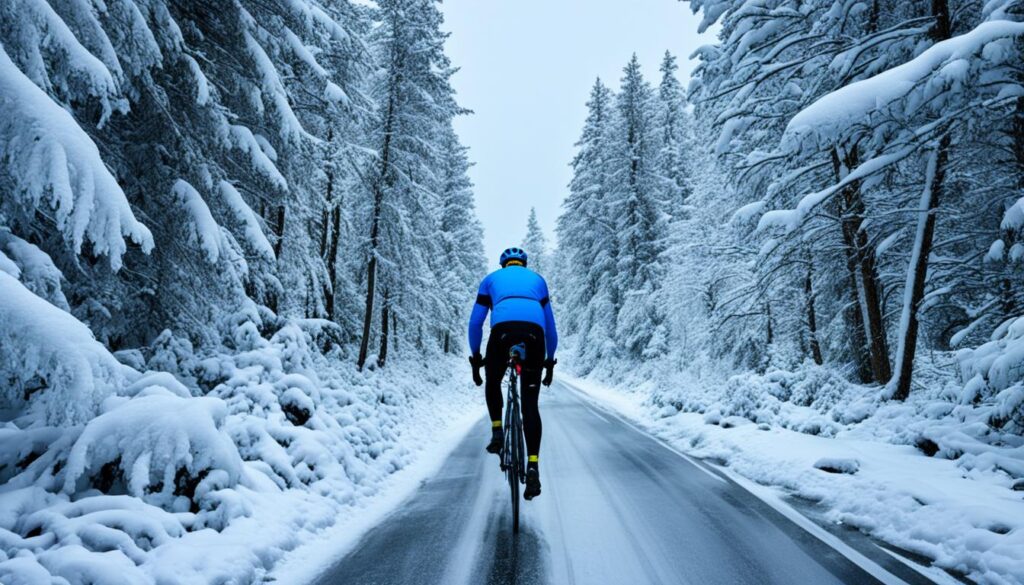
(994,372)
(170,353)
(51,360)
(752,397)
(818,387)
(156,446)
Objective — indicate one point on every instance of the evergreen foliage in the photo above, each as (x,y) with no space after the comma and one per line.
(170,170)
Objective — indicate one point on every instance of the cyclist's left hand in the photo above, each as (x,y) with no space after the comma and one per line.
(477,362)
(549,371)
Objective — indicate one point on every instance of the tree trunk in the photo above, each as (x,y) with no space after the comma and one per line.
(1008,300)
(812,317)
(325,220)
(917,272)
(855,314)
(332,257)
(371,283)
(862,252)
(382,356)
(880,367)
(447,337)
(378,204)
(279,231)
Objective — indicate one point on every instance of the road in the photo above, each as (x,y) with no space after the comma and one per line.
(618,507)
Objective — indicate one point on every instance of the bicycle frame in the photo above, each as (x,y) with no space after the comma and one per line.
(513,459)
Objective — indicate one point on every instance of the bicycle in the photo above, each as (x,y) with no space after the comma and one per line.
(513,463)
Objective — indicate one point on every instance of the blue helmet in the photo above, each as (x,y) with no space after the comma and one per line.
(512,254)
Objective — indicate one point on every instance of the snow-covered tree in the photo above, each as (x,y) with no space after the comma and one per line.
(635,199)
(536,244)
(586,239)
(415,106)
(674,129)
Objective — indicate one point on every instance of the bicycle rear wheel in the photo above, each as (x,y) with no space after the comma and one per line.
(513,484)
(516,468)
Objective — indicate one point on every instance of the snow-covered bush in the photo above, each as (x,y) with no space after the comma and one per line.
(156,446)
(283,436)
(51,363)
(994,371)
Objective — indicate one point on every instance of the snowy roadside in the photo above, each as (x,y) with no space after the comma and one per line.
(270,448)
(966,520)
(321,550)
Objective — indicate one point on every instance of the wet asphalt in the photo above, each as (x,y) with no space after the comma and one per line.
(618,507)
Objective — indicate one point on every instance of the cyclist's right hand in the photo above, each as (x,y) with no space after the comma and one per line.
(549,371)
(476,361)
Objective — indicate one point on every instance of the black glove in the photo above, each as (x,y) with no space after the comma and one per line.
(477,361)
(549,371)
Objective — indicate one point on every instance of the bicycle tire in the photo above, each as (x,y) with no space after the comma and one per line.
(516,452)
(514,488)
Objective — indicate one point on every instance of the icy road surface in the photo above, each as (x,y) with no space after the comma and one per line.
(618,507)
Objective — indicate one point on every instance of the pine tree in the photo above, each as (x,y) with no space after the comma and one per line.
(461,263)
(639,217)
(416,106)
(674,136)
(536,244)
(586,239)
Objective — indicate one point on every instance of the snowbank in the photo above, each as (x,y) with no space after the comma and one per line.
(249,451)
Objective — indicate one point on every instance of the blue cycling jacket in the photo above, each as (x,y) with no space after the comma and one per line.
(513,293)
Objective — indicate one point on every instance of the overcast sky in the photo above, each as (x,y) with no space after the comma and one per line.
(527,67)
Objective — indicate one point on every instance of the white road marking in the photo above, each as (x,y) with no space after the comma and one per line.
(640,430)
(770,497)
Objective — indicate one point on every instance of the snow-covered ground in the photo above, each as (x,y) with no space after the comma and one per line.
(263,449)
(957,507)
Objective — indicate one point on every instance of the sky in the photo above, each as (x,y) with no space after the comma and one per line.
(526,69)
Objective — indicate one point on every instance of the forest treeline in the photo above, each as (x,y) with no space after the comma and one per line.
(841,185)
(186,166)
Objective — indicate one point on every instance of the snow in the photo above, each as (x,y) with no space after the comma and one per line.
(748,212)
(7,265)
(1014,216)
(853,102)
(247,217)
(243,139)
(324,548)
(964,516)
(1000,362)
(287,447)
(205,231)
(995,251)
(790,219)
(838,465)
(291,127)
(202,84)
(40,341)
(52,160)
(150,445)
(34,268)
(80,64)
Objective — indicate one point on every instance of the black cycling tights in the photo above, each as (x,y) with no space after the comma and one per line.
(504,336)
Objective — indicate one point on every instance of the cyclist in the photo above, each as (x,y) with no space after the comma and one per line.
(517,299)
